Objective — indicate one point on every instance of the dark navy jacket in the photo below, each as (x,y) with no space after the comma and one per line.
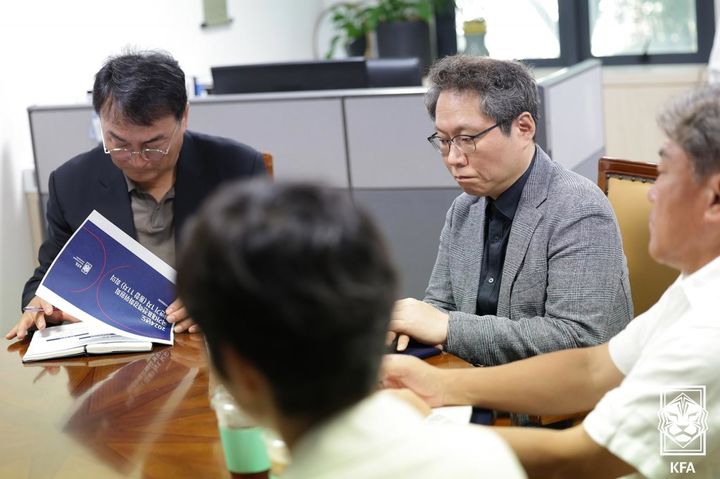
(90,181)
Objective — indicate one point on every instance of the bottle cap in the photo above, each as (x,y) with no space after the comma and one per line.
(475,26)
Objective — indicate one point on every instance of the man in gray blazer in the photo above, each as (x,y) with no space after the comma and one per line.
(530,258)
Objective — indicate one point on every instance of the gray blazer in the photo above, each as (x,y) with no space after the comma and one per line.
(564,282)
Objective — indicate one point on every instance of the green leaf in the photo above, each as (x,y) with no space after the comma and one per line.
(333,44)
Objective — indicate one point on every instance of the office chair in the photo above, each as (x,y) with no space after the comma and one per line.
(626,184)
(268,160)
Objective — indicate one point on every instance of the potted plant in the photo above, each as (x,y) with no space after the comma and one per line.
(403,29)
(351,21)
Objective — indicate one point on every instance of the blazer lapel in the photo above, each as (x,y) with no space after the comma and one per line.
(113,202)
(469,277)
(526,220)
(190,184)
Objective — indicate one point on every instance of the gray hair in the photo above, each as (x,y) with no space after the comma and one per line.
(692,120)
(506,88)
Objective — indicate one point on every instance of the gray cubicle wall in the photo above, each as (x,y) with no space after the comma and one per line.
(59,133)
(371,142)
(305,134)
(400,178)
(572,122)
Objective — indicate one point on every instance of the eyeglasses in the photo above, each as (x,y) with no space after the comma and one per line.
(147,154)
(465,143)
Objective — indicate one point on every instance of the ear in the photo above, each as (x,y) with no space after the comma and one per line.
(248,385)
(185,116)
(240,372)
(525,125)
(713,191)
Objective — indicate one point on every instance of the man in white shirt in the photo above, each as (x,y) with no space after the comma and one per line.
(293,289)
(653,389)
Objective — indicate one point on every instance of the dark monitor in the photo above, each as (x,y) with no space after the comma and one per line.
(290,76)
(389,72)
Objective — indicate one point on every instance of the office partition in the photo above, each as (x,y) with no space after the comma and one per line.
(572,123)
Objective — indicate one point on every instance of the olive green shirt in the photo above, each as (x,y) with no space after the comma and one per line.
(153,221)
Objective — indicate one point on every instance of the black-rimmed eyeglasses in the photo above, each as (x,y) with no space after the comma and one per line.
(465,143)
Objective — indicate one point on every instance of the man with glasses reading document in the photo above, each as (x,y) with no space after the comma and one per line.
(148,176)
(530,258)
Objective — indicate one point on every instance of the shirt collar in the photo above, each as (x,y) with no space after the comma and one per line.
(701,287)
(132,186)
(508,201)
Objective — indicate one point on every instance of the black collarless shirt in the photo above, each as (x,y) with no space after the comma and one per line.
(499,216)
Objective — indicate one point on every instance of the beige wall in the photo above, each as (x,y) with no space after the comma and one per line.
(633,95)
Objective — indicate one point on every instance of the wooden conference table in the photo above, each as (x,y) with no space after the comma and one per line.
(114,416)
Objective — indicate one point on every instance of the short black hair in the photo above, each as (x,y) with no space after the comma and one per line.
(141,87)
(295,279)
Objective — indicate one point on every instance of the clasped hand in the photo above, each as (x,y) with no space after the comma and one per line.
(418,320)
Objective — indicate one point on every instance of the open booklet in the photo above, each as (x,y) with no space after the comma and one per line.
(117,289)
(75,339)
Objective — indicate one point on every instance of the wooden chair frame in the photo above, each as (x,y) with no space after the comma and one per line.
(268,160)
(608,166)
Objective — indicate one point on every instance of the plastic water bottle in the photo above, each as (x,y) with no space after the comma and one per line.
(475,37)
(243,442)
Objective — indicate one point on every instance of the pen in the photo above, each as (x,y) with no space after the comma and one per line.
(37,309)
(34,309)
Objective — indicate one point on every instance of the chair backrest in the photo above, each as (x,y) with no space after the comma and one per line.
(268,160)
(626,184)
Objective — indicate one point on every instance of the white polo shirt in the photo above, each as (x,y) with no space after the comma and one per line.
(671,350)
(385,438)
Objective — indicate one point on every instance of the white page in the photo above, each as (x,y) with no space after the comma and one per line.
(71,339)
(453,414)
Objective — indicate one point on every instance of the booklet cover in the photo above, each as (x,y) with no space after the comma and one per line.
(112,283)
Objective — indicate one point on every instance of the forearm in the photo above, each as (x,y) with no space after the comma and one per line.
(46,255)
(566,454)
(557,383)
(494,340)
(537,449)
(58,233)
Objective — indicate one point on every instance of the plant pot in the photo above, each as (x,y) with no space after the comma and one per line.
(357,47)
(446,36)
(405,39)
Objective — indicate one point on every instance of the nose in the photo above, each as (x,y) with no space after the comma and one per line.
(135,160)
(455,156)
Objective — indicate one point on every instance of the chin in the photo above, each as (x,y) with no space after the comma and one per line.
(139,176)
(472,191)
(657,255)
